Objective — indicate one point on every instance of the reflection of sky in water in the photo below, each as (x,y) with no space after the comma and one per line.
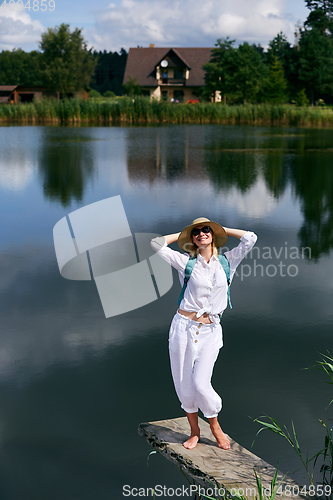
(15,175)
(196,198)
(18,162)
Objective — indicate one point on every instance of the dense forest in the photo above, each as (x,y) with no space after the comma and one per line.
(109,72)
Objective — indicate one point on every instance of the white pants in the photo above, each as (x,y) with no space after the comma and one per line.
(193,349)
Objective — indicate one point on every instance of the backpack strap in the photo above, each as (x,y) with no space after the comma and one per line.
(225,264)
(188,271)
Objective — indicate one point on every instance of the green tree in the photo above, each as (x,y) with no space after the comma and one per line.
(247,72)
(301,99)
(94,93)
(235,72)
(316,63)
(278,47)
(326,5)
(20,68)
(319,20)
(276,86)
(109,94)
(67,63)
(131,87)
(289,58)
(218,69)
(321,16)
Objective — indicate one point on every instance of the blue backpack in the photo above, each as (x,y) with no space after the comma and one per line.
(189,268)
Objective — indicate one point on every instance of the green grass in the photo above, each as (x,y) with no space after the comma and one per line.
(142,110)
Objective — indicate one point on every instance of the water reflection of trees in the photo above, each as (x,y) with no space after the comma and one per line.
(227,170)
(232,160)
(302,163)
(312,178)
(238,161)
(275,172)
(65,164)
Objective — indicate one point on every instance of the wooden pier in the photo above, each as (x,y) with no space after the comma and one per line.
(210,466)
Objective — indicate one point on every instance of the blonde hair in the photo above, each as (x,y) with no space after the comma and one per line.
(215,251)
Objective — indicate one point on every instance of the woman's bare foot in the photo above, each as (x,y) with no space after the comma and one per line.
(221,439)
(195,431)
(193,440)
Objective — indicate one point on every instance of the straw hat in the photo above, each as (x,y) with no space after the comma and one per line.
(185,237)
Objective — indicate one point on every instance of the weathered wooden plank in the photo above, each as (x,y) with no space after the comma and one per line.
(210,465)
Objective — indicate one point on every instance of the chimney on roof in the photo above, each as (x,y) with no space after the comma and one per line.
(151,45)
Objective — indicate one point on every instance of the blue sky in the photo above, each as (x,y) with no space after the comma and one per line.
(129,23)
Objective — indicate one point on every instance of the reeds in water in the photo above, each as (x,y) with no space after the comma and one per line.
(143,110)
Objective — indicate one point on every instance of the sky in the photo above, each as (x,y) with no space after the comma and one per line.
(166,23)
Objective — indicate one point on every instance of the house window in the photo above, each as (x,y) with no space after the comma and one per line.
(26,97)
(178,73)
(164,95)
(178,95)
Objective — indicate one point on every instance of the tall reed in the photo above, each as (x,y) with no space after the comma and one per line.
(142,110)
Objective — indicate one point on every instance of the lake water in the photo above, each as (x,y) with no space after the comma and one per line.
(74,385)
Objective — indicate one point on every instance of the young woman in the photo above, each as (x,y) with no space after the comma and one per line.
(195,336)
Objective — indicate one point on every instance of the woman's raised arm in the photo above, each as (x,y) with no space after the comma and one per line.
(237,233)
(171,238)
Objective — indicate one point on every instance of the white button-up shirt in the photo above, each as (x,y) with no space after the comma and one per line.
(207,288)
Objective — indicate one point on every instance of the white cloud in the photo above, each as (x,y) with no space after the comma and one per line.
(189,23)
(18,30)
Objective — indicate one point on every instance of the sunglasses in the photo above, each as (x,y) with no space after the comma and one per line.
(196,231)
